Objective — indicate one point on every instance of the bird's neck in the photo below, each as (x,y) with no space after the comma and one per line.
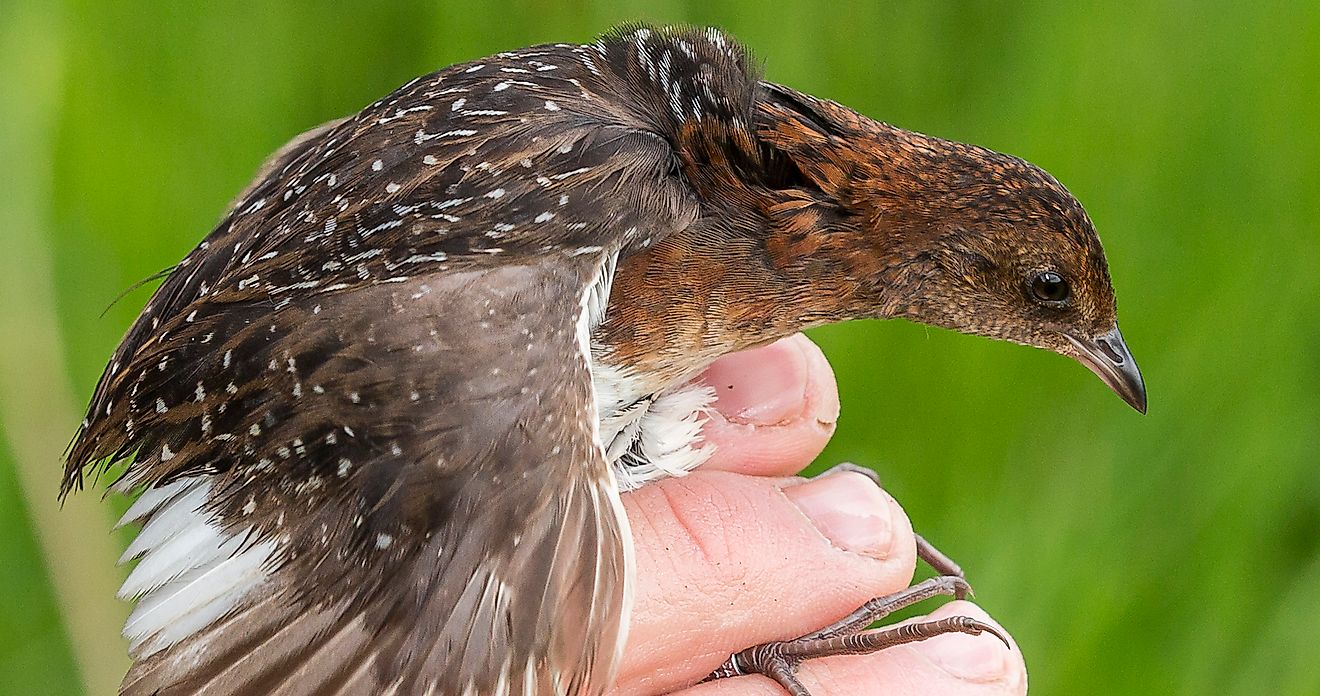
(799,232)
(710,290)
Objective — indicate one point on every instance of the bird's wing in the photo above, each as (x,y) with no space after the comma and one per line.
(362,408)
(436,514)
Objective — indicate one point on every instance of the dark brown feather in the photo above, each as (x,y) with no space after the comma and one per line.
(376,356)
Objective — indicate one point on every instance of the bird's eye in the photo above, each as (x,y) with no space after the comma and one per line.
(1048,286)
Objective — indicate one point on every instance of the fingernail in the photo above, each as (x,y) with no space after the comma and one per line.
(969,658)
(850,510)
(762,386)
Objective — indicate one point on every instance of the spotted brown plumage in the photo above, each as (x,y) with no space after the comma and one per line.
(383,413)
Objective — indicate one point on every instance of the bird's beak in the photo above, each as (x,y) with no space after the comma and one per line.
(1109,358)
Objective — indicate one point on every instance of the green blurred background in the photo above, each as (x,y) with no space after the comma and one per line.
(1177,553)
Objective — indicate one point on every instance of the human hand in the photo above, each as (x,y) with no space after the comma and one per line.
(738,553)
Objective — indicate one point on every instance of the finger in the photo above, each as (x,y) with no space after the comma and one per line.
(726,561)
(776,407)
(947,665)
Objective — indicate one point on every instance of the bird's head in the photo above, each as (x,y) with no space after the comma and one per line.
(959,236)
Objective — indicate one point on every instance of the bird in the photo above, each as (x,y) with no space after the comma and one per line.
(381,417)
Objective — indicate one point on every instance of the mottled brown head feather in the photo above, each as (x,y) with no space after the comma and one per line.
(955,231)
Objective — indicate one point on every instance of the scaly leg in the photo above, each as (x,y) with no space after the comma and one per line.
(763,658)
(779,661)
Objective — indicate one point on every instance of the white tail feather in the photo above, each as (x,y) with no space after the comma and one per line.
(192,571)
(168,519)
(153,498)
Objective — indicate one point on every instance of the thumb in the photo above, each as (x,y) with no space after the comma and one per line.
(726,561)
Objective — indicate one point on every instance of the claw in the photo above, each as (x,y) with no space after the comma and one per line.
(849,466)
(987,628)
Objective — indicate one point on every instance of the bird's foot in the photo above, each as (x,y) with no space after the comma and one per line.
(779,660)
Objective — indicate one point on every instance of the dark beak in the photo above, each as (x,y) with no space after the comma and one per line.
(1109,358)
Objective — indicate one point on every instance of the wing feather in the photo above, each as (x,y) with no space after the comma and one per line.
(540,547)
(377,371)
